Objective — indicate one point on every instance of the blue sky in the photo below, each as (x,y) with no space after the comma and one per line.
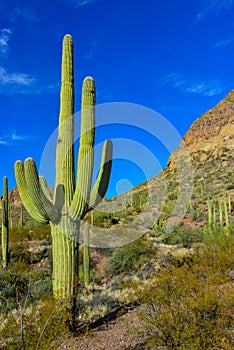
(174,57)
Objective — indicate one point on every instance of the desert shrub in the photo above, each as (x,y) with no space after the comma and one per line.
(37,326)
(184,236)
(191,306)
(18,282)
(131,257)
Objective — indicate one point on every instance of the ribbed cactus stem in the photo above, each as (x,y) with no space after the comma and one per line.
(5,223)
(65,145)
(220,213)
(21,218)
(209,213)
(86,256)
(72,200)
(225,210)
(214,215)
(229,203)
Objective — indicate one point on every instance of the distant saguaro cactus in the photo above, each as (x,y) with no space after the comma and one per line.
(72,200)
(86,257)
(5,223)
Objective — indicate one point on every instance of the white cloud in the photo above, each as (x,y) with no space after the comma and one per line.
(15,78)
(4,40)
(13,138)
(224,43)
(214,5)
(80,3)
(206,88)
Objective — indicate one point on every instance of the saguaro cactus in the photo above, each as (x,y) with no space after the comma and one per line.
(5,223)
(86,257)
(72,200)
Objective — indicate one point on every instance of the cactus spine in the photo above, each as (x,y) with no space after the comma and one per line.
(5,223)
(86,256)
(72,200)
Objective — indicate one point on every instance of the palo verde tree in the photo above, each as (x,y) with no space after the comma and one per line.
(72,199)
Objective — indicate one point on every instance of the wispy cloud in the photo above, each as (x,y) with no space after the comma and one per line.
(80,3)
(24,84)
(22,13)
(224,43)
(205,88)
(4,40)
(215,6)
(13,138)
(15,78)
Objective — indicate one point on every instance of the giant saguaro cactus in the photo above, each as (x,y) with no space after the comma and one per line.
(5,223)
(72,199)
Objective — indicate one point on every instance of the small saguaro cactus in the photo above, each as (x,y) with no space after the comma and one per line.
(72,200)
(209,213)
(5,223)
(21,218)
(86,257)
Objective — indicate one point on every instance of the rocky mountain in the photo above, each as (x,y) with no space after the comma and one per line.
(199,170)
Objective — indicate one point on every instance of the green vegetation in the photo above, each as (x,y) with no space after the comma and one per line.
(190,306)
(132,257)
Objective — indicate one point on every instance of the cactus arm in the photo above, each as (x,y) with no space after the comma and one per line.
(80,200)
(58,195)
(101,184)
(65,173)
(25,194)
(53,209)
(44,188)
(43,204)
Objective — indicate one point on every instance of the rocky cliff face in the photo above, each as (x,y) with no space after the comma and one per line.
(203,163)
(212,132)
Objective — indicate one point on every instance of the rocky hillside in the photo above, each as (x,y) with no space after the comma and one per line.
(200,169)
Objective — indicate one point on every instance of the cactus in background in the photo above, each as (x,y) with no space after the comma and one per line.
(229,203)
(86,257)
(220,213)
(214,215)
(5,223)
(21,218)
(209,213)
(71,200)
(225,210)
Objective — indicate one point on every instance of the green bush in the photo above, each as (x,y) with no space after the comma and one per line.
(36,327)
(191,306)
(131,257)
(184,236)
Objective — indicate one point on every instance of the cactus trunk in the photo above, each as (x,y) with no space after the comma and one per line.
(65,238)
(5,224)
